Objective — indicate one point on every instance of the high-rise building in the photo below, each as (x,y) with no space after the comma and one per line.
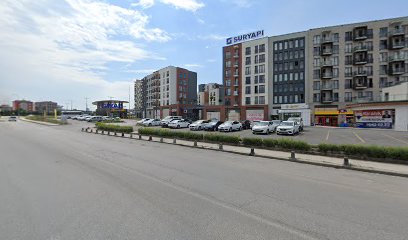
(313,74)
(138,98)
(169,91)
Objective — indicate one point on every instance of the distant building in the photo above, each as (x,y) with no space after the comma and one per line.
(5,108)
(168,91)
(25,105)
(210,94)
(45,107)
(112,108)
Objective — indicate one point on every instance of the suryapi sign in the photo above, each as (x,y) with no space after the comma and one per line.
(245,37)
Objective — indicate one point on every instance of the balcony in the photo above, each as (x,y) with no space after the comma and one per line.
(397,45)
(236,65)
(396,71)
(360,83)
(397,32)
(236,56)
(361,48)
(327,86)
(360,73)
(328,39)
(327,99)
(326,51)
(397,58)
(360,33)
(327,75)
(235,93)
(327,63)
(236,74)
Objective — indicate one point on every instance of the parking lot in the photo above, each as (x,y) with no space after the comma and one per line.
(312,135)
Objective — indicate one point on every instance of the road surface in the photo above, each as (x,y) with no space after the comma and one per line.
(60,183)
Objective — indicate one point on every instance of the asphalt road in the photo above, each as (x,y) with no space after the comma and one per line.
(60,183)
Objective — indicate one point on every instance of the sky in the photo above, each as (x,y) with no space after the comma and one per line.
(70,50)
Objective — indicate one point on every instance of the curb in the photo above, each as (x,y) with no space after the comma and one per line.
(289,159)
(38,122)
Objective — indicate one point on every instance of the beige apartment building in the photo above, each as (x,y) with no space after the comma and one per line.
(352,63)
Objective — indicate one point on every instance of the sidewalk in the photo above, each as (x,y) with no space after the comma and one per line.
(358,165)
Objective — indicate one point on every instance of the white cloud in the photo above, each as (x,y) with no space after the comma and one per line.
(240,3)
(189,5)
(64,48)
(193,65)
(144,3)
(214,37)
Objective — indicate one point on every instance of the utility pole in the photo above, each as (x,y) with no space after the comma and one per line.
(71,105)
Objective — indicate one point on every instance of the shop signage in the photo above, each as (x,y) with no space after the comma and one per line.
(342,110)
(245,37)
(113,105)
(295,106)
(382,118)
(255,115)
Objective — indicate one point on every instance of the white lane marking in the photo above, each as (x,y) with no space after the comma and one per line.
(359,138)
(328,135)
(396,139)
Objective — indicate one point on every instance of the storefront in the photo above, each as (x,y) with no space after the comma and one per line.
(111,108)
(333,117)
(295,110)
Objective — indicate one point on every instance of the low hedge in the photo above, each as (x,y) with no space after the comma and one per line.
(41,118)
(113,128)
(378,152)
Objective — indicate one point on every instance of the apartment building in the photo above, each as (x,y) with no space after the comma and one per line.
(210,94)
(352,63)
(45,107)
(168,91)
(138,98)
(25,105)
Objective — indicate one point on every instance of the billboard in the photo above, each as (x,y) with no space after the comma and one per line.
(378,118)
(245,37)
(255,115)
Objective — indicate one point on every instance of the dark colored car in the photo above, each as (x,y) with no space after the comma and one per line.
(246,124)
(212,126)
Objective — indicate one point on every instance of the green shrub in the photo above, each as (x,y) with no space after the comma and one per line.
(292,144)
(113,128)
(325,147)
(41,118)
(270,142)
(221,138)
(257,142)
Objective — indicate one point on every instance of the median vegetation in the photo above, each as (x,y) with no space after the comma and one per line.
(379,153)
(113,128)
(41,118)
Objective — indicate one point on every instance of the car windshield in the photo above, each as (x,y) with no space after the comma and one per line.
(287,124)
(212,123)
(198,122)
(228,123)
(276,122)
(261,124)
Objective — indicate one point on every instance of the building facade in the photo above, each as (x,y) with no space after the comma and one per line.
(24,105)
(352,64)
(168,91)
(45,107)
(138,98)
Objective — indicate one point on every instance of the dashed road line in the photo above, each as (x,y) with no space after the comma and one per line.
(396,139)
(328,135)
(359,138)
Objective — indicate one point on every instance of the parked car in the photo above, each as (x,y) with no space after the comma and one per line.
(12,119)
(182,123)
(95,119)
(151,122)
(246,124)
(142,120)
(83,117)
(275,124)
(165,121)
(212,126)
(264,127)
(87,118)
(230,126)
(106,118)
(288,127)
(299,120)
(253,123)
(198,125)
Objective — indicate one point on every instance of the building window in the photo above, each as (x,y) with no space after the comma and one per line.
(316,97)
(261,100)
(275,99)
(348,97)
(262,78)
(248,101)
(256,49)
(247,70)
(247,60)
(256,89)
(228,54)
(256,100)
(348,36)
(316,85)
(261,68)
(261,88)
(247,50)
(384,32)
(262,58)
(248,90)
(262,48)
(248,80)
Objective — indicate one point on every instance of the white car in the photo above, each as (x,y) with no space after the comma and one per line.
(264,127)
(106,118)
(95,119)
(83,117)
(230,126)
(165,121)
(152,122)
(198,125)
(179,124)
(12,119)
(142,120)
(288,127)
(299,120)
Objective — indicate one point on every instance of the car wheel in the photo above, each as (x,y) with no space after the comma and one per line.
(230,129)
(240,128)
(199,128)
(267,132)
(150,124)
